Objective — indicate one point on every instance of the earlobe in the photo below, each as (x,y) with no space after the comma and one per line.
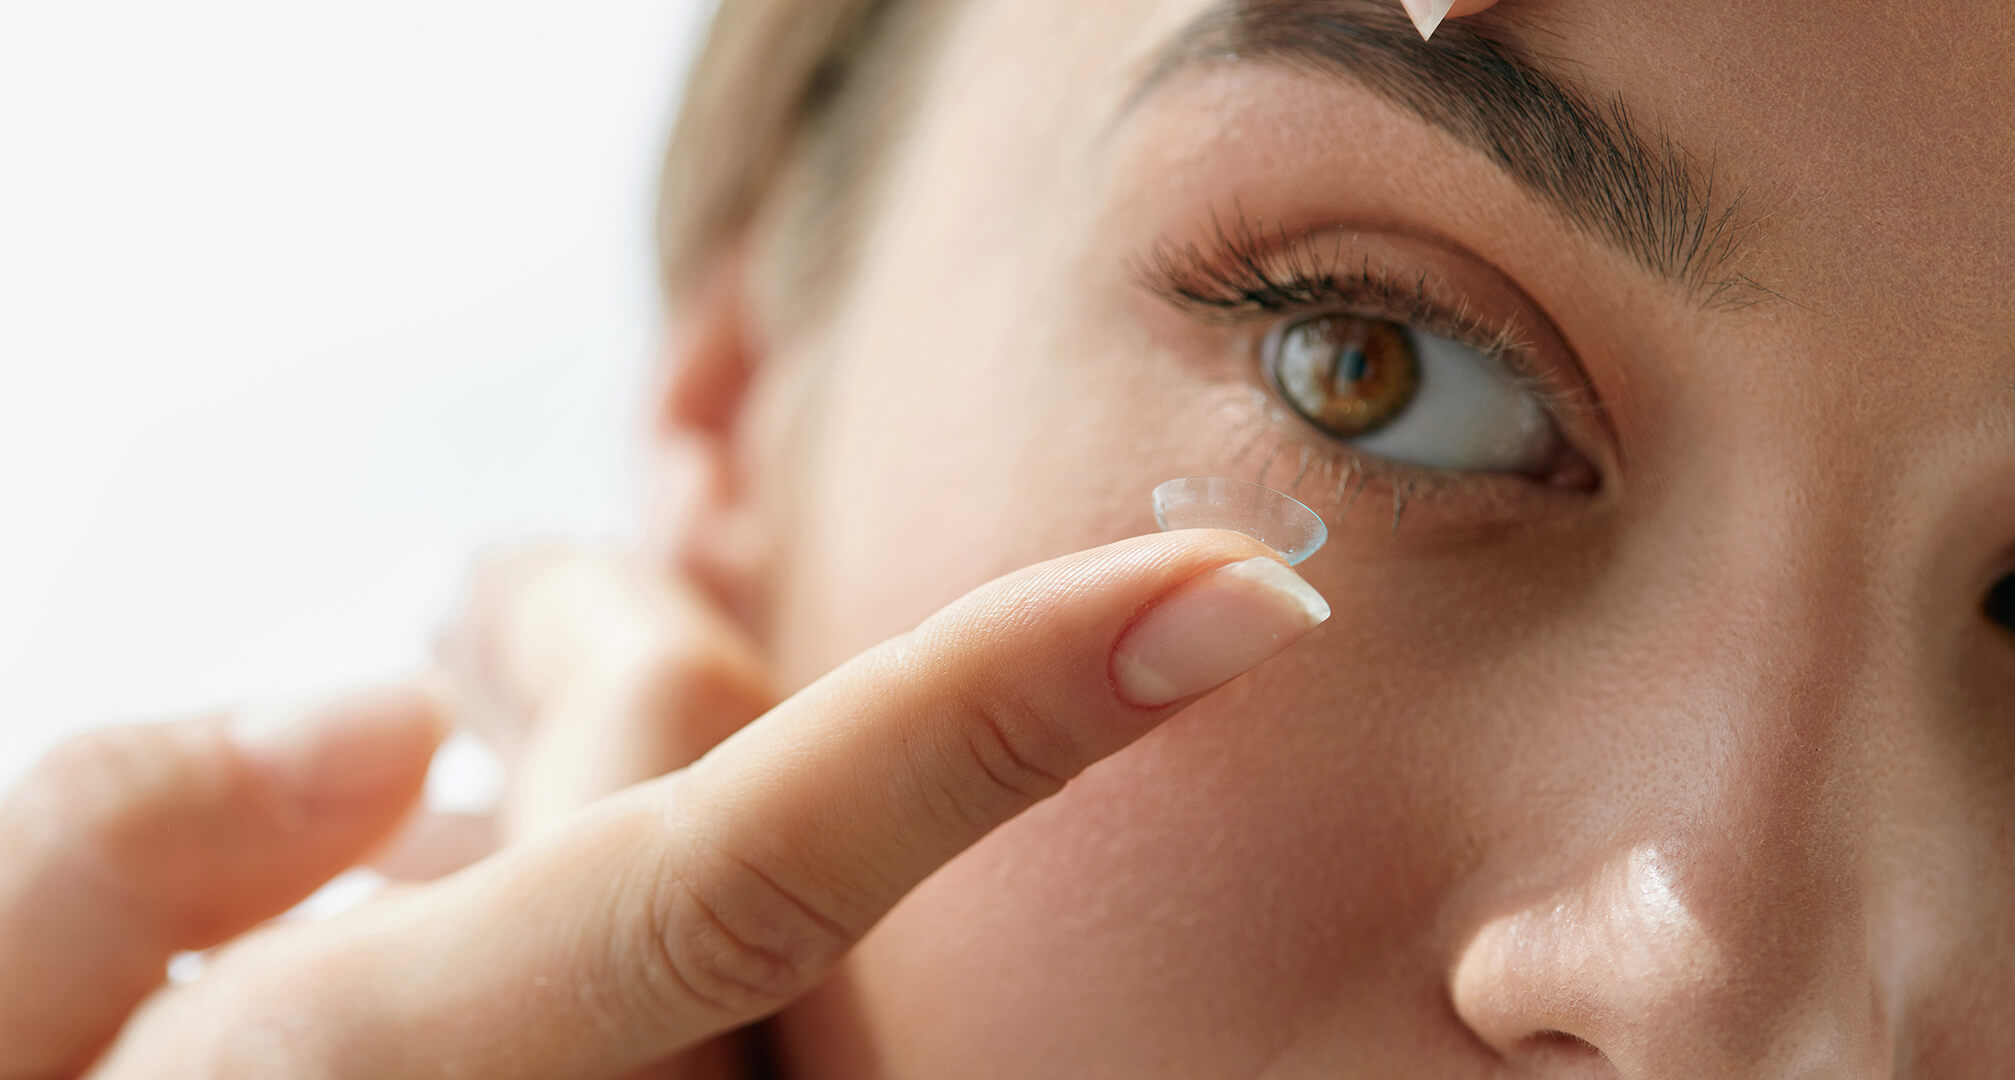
(700,521)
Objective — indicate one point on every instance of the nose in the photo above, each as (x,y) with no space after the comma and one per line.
(1703,903)
(1640,968)
(1699,867)
(1703,908)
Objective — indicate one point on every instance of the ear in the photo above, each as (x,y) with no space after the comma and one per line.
(701,522)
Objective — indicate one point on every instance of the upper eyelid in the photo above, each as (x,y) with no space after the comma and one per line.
(1239,283)
(1249,271)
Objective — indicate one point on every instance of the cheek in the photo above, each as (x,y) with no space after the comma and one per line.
(925,482)
(1267,866)
(934,470)
(1262,870)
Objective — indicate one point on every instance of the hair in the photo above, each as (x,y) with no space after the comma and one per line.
(787,114)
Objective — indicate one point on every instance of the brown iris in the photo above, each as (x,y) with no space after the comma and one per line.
(1346,374)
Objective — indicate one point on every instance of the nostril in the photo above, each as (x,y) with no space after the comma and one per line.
(1558,1055)
(2000,603)
(1561,1044)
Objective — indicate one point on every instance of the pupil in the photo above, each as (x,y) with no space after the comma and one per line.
(1348,375)
(1350,365)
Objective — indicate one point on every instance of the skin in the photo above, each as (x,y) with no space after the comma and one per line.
(1710,773)
(1705,772)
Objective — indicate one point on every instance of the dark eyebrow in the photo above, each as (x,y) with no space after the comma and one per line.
(1639,192)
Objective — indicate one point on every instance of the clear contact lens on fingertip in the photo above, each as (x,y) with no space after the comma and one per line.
(1273,518)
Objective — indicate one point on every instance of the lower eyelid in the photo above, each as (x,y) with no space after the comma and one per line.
(1348,487)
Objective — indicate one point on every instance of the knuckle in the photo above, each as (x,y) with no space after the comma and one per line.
(262,1029)
(1019,755)
(729,939)
(96,785)
(680,673)
(122,815)
(237,1019)
(696,681)
(245,1030)
(90,763)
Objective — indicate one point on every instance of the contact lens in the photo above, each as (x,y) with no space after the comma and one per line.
(1277,520)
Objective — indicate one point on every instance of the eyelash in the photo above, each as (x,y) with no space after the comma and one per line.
(1248,274)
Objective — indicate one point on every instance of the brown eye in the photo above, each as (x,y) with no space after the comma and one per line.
(1345,374)
(1411,397)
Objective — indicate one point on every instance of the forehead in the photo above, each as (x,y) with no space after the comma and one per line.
(1872,144)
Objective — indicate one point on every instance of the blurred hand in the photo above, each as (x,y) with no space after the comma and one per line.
(128,845)
(587,672)
(639,927)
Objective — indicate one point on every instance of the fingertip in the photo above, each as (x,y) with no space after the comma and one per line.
(1180,552)
(1228,545)
(1213,628)
(359,748)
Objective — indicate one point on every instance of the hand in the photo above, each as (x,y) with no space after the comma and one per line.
(587,672)
(130,844)
(691,905)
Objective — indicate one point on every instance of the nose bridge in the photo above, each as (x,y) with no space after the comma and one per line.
(1746,912)
(1720,925)
(1780,619)
(1752,873)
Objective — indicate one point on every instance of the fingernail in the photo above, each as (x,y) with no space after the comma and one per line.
(1212,628)
(1427,14)
(343,751)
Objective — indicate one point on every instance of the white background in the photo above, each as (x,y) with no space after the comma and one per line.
(300,305)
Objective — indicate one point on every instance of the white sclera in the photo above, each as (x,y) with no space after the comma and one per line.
(1279,521)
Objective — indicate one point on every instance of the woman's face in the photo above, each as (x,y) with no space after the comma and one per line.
(1664,737)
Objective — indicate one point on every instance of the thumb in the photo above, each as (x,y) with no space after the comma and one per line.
(129,844)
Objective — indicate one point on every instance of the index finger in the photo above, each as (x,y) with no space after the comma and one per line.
(699,903)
